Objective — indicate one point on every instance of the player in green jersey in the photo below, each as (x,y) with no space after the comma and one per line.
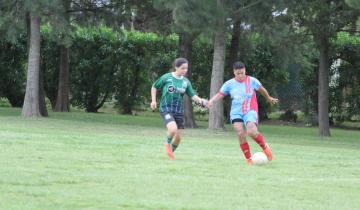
(173,86)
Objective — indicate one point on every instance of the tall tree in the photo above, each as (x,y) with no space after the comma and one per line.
(188,24)
(322,18)
(13,21)
(62,99)
(216,113)
(212,18)
(31,107)
(225,11)
(185,47)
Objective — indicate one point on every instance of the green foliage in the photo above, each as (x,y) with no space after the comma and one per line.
(141,56)
(50,55)
(93,63)
(201,66)
(344,99)
(12,70)
(261,59)
(14,14)
(345,91)
(308,78)
(121,66)
(353,3)
(107,65)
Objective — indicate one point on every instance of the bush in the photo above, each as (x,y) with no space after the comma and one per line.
(143,57)
(94,60)
(289,116)
(12,70)
(345,91)
(50,58)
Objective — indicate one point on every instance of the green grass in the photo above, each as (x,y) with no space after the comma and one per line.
(103,161)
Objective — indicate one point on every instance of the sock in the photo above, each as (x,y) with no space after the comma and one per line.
(260,140)
(168,140)
(246,150)
(174,146)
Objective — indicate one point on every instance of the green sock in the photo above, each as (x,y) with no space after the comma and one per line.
(168,139)
(174,146)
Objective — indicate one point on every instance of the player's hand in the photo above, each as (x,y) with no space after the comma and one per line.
(203,102)
(272,100)
(153,105)
(209,104)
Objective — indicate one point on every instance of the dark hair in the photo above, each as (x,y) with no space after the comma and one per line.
(179,61)
(238,65)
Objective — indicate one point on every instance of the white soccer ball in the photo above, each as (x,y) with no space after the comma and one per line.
(259,158)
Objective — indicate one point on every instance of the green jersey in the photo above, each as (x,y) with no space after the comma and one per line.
(173,90)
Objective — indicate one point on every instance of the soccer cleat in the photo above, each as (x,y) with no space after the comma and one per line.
(249,162)
(169,151)
(268,152)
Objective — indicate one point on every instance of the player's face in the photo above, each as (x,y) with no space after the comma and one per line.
(182,70)
(240,74)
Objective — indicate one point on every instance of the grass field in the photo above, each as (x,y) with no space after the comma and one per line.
(102,161)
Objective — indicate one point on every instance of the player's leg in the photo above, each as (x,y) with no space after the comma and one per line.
(252,131)
(177,138)
(171,126)
(180,122)
(171,131)
(238,125)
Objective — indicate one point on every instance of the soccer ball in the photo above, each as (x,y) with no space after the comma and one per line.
(259,158)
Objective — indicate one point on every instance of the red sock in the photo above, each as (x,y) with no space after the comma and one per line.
(260,140)
(246,150)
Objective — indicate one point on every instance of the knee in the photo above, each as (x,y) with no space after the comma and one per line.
(241,134)
(252,132)
(172,131)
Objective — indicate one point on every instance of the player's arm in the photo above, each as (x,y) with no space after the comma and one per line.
(199,100)
(158,85)
(153,98)
(191,93)
(216,97)
(268,98)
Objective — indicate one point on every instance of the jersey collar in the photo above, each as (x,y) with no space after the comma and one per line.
(176,77)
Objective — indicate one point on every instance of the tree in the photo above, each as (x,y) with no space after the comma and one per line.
(195,17)
(188,26)
(216,114)
(31,107)
(322,19)
(62,100)
(185,47)
(214,18)
(15,17)
(12,71)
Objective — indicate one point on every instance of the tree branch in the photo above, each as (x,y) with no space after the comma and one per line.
(246,7)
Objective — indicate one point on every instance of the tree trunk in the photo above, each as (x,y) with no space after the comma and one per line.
(233,57)
(234,45)
(42,103)
(31,101)
(62,100)
(323,96)
(185,43)
(216,114)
